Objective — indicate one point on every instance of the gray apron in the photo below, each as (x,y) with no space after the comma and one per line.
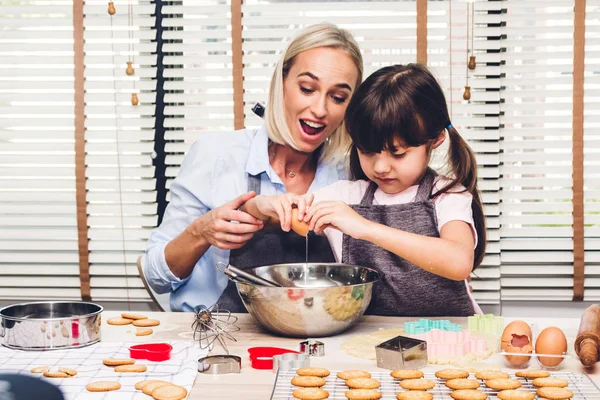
(406,290)
(272,246)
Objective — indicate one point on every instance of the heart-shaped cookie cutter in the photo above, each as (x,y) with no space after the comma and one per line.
(151,351)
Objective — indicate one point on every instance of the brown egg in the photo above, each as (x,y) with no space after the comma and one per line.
(516,338)
(300,227)
(551,341)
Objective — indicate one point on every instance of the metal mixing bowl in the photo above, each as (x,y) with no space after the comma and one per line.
(315,300)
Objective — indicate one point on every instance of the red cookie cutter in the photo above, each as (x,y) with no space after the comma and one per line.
(151,351)
(262,357)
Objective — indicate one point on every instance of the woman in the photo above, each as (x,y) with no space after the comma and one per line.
(301,147)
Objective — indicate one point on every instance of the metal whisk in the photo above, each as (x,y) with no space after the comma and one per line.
(213,324)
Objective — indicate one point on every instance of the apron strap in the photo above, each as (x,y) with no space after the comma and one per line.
(426,186)
(254,183)
(367,199)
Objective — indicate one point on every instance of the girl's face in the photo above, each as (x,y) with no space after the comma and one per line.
(316,92)
(396,171)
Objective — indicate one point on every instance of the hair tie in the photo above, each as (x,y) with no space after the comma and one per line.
(449,126)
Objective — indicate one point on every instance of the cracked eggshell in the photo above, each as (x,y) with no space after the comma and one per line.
(517,338)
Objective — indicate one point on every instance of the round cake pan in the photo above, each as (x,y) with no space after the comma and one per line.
(50,325)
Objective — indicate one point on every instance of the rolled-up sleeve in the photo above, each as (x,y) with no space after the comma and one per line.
(183,209)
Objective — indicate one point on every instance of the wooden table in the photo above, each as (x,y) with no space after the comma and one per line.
(258,384)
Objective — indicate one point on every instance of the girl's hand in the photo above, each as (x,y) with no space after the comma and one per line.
(280,207)
(338,215)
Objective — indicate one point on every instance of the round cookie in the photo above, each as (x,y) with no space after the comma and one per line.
(487,375)
(353,373)
(414,395)
(406,374)
(169,392)
(308,381)
(532,373)
(68,371)
(39,370)
(362,383)
(363,394)
(468,394)
(113,362)
(322,372)
(417,384)
(554,393)
(131,368)
(119,321)
(149,387)
(503,384)
(310,393)
(146,322)
(451,373)
(550,382)
(140,385)
(102,386)
(50,374)
(143,331)
(462,383)
(133,316)
(515,395)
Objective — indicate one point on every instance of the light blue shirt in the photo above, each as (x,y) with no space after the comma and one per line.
(213,173)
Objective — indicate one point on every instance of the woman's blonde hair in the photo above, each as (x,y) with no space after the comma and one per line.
(337,144)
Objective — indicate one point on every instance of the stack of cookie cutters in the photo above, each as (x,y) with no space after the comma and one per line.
(402,352)
(275,358)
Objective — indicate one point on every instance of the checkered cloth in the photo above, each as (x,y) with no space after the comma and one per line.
(181,369)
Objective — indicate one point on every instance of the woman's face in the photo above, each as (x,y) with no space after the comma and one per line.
(316,93)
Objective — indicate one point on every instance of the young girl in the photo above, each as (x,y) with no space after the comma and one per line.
(425,232)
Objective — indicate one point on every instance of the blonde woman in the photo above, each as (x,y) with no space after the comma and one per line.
(300,148)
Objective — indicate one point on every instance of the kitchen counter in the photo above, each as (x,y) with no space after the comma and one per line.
(258,384)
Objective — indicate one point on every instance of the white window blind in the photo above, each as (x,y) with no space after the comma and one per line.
(38,223)
(591,133)
(121,188)
(536,184)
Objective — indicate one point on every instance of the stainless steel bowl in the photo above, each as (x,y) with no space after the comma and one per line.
(50,325)
(315,300)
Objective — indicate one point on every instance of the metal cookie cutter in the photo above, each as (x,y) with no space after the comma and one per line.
(290,361)
(222,364)
(313,348)
(401,352)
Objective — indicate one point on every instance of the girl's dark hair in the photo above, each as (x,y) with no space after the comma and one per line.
(405,103)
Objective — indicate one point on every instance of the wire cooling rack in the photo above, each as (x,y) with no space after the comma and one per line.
(580,384)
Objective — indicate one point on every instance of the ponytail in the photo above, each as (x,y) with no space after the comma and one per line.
(462,161)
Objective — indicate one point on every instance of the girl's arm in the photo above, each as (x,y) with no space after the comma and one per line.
(451,255)
(278,209)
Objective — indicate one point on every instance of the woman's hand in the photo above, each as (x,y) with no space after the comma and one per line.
(338,215)
(280,207)
(226,227)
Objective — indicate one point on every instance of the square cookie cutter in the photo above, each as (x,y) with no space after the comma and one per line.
(402,352)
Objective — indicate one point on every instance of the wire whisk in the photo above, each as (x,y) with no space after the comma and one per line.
(213,324)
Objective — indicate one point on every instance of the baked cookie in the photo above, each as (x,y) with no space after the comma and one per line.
(68,371)
(407,374)
(143,331)
(353,373)
(515,395)
(417,384)
(487,375)
(363,394)
(133,316)
(310,393)
(149,387)
(146,322)
(414,395)
(113,362)
(550,382)
(119,321)
(131,368)
(362,383)
(532,373)
(169,392)
(140,385)
(308,381)
(554,393)
(103,386)
(451,373)
(462,383)
(322,372)
(39,370)
(468,394)
(50,374)
(503,384)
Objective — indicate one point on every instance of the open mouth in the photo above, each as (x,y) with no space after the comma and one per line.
(312,128)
